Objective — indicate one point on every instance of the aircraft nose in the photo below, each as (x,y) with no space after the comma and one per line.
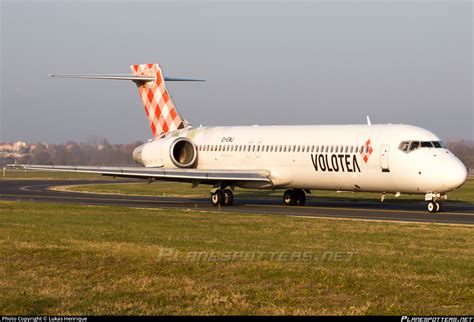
(457,174)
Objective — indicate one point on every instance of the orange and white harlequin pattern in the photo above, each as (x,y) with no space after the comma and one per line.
(159,107)
(366,151)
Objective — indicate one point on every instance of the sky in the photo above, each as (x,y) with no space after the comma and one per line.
(265,62)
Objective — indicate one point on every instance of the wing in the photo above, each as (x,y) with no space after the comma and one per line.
(259,177)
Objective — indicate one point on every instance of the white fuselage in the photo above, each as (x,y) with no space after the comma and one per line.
(329,157)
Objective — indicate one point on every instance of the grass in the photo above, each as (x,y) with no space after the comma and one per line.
(464,194)
(72,259)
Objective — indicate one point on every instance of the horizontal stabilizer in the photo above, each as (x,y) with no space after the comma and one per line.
(135,78)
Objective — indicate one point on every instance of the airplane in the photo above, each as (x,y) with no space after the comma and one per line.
(387,158)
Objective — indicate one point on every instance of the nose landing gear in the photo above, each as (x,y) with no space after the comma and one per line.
(434,202)
(434,206)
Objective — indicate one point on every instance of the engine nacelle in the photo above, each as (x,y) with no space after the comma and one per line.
(171,152)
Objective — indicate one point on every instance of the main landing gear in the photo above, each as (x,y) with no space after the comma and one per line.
(294,197)
(222,197)
(434,202)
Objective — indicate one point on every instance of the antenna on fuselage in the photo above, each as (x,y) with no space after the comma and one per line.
(368,121)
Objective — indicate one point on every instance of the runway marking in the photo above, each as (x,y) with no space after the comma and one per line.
(456,223)
(374,210)
(361,217)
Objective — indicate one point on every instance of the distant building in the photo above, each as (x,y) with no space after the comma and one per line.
(6,147)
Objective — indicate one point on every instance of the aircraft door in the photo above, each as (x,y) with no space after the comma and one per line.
(384,150)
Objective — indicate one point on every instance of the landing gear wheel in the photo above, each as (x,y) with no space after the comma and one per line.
(300,197)
(217,198)
(228,197)
(289,198)
(431,206)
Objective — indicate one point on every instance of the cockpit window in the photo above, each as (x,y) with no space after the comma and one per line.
(408,146)
(438,144)
(414,145)
(404,146)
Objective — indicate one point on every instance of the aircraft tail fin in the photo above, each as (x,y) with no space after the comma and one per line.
(159,107)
